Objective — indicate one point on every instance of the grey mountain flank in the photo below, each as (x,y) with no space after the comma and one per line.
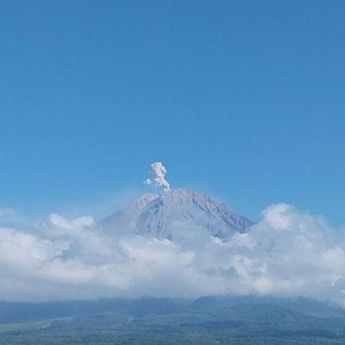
(156,214)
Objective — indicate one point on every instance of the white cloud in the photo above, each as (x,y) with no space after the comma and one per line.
(288,253)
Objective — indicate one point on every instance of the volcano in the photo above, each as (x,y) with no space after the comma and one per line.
(156,214)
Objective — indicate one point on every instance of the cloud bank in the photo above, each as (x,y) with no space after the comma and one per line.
(287,253)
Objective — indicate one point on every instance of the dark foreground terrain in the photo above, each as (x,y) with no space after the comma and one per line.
(208,320)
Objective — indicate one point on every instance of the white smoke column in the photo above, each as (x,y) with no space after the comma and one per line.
(158,172)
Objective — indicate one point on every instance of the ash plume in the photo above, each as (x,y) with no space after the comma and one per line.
(158,172)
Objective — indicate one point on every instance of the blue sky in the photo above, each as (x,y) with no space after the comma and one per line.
(242,99)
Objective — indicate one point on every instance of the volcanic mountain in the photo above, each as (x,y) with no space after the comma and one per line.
(156,214)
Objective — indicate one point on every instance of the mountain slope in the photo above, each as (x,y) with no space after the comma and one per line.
(156,215)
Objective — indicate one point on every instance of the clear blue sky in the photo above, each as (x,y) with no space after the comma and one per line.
(243,99)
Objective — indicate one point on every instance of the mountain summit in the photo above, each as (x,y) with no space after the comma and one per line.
(156,215)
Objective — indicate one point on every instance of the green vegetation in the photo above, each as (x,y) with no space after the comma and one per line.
(210,321)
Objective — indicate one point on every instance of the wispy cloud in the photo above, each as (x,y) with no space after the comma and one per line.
(7,212)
